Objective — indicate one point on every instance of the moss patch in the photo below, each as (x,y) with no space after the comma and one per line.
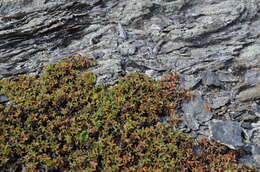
(61,121)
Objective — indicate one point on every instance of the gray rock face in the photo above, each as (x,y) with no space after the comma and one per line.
(195,113)
(3,99)
(256,109)
(220,100)
(213,44)
(254,134)
(226,77)
(189,81)
(256,156)
(249,94)
(252,77)
(226,132)
(210,79)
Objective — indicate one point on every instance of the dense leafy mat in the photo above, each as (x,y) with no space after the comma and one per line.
(62,121)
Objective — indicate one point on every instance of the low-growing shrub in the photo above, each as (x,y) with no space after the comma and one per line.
(62,121)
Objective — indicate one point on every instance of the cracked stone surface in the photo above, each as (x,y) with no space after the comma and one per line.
(195,113)
(227,132)
(213,44)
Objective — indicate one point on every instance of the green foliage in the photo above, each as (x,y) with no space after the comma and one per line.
(61,121)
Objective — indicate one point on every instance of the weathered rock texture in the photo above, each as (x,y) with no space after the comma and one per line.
(215,44)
